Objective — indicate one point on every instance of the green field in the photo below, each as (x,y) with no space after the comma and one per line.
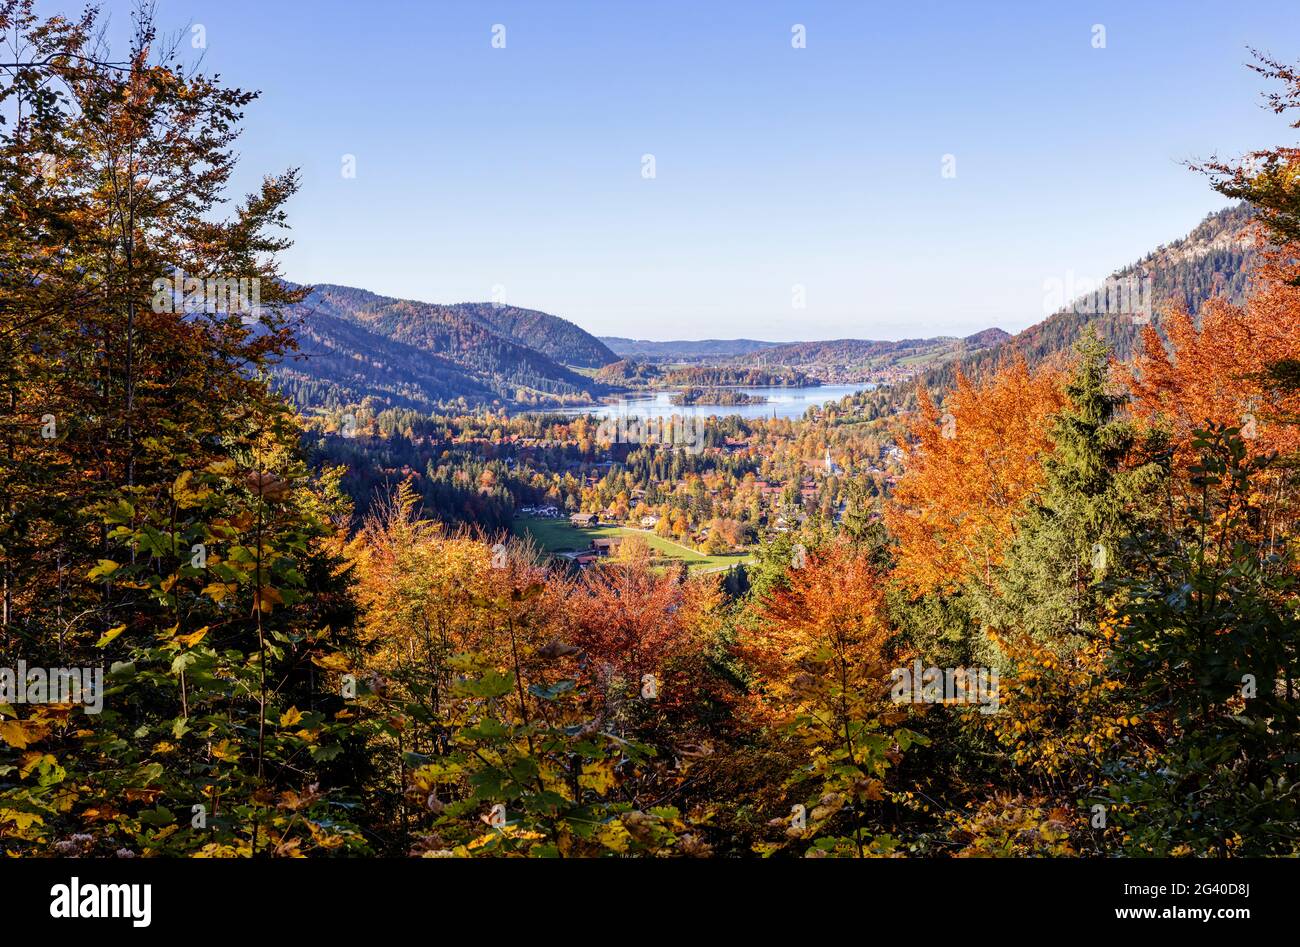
(557,535)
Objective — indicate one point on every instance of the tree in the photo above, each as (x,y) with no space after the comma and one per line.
(155,515)
(820,664)
(968,475)
(1098,480)
(1207,631)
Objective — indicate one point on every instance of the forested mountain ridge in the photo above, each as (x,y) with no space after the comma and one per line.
(558,338)
(684,350)
(1216,257)
(355,344)
(866,359)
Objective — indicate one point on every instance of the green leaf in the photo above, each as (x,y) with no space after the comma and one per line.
(551,692)
(105,568)
(491,684)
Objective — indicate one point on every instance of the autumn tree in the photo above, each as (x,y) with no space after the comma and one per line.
(968,473)
(1206,632)
(820,660)
(155,514)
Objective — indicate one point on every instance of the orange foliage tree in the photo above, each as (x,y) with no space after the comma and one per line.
(968,473)
(1219,372)
(820,661)
(632,621)
(1238,369)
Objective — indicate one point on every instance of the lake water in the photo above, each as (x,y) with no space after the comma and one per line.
(781,402)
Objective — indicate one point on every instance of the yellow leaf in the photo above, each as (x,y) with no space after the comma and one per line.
(217,591)
(193,638)
(224,751)
(597,776)
(290,717)
(109,635)
(331,662)
(20,733)
(22,819)
(31,760)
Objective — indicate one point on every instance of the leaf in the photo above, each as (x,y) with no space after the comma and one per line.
(334,661)
(597,776)
(224,751)
(109,635)
(491,684)
(21,733)
(193,638)
(105,568)
(218,591)
(551,692)
(290,717)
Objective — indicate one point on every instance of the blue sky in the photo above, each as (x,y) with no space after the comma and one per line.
(520,168)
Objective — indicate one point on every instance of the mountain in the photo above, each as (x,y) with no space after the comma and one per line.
(355,344)
(986,338)
(560,339)
(1215,257)
(684,350)
(850,360)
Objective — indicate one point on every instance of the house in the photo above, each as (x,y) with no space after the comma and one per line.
(606,546)
(649,521)
(582,520)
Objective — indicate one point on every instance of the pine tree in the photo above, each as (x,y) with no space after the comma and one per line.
(1097,483)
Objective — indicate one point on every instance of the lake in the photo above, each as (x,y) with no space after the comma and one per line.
(781,402)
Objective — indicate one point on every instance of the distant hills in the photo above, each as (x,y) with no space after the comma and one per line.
(846,360)
(837,360)
(684,350)
(357,346)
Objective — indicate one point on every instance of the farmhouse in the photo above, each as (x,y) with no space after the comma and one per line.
(606,546)
(584,519)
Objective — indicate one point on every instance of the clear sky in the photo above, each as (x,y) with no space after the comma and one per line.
(521,168)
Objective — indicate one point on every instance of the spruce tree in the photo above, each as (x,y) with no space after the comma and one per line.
(1099,481)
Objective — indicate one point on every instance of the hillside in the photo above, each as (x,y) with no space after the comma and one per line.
(851,360)
(552,336)
(1215,257)
(684,350)
(355,344)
